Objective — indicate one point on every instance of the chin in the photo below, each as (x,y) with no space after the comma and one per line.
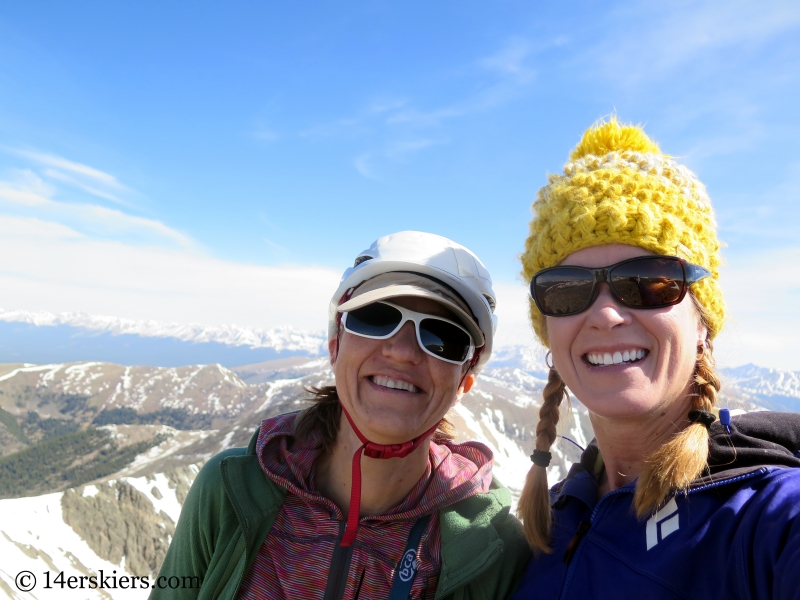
(620,405)
(390,429)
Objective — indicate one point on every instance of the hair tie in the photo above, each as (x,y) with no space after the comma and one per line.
(541,458)
(702,416)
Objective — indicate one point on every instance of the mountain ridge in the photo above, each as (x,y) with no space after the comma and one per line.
(171,420)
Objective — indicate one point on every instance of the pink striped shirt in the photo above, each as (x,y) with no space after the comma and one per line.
(295,558)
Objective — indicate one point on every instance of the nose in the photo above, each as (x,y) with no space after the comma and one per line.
(606,312)
(403,346)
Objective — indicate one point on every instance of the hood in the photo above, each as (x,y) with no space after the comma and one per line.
(454,472)
(756,440)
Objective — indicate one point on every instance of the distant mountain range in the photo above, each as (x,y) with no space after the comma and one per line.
(42,337)
(771,388)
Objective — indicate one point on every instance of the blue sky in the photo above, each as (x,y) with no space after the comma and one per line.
(222,163)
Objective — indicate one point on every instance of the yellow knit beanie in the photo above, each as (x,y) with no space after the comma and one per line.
(619,188)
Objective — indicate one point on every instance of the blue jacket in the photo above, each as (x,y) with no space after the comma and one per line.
(734,534)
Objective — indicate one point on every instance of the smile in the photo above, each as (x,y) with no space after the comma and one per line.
(394,384)
(603,359)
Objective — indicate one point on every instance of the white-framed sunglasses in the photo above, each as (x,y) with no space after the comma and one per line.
(439,337)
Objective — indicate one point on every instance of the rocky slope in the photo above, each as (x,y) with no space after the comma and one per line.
(112,504)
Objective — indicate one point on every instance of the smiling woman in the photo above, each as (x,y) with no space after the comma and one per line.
(364,494)
(623,262)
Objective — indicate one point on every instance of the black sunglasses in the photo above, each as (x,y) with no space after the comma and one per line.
(439,337)
(642,282)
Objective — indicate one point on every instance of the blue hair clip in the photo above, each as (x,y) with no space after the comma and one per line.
(725,419)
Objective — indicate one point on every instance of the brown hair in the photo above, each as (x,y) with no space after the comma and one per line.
(534,502)
(325,413)
(669,469)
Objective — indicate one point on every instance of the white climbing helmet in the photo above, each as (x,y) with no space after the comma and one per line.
(433,256)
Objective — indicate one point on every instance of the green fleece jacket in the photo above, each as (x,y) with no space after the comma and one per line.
(232,505)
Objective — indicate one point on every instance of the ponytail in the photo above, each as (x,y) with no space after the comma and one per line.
(534,502)
(684,457)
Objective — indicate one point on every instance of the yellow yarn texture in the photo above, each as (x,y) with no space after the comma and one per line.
(619,188)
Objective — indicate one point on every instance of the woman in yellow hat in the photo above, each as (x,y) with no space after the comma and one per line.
(673,499)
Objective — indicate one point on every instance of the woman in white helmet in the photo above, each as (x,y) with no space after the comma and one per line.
(364,494)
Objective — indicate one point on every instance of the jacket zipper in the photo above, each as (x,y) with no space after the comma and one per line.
(583,529)
(572,563)
(339,569)
(578,547)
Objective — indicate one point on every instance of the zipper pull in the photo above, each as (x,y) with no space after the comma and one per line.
(583,529)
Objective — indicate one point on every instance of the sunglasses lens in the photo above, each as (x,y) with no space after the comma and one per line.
(648,283)
(374,320)
(444,339)
(562,291)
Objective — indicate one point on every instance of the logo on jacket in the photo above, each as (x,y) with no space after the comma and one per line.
(661,524)
(408,566)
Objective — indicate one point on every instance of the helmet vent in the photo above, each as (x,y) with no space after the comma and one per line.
(491,301)
(361,259)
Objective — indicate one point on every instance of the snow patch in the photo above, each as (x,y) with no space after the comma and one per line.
(90,491)
(60,550)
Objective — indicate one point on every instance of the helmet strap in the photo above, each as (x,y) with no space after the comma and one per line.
(472,363)
(372,450)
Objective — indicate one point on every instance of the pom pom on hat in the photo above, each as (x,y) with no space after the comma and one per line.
(619,188)
(603,138)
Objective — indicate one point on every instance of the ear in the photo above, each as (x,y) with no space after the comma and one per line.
(466,386)
(333,349)
(702,333)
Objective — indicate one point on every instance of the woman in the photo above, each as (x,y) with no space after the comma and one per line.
(364,494)
(667,502)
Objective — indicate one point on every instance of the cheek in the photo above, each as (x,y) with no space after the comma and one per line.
(561,333)
(682,336)
(445,376)
(353,351)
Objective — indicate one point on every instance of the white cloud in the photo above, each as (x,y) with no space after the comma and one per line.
(500,77)
(31,195)
(265,135)
(83,257)
(671,36)
(63,164)
(63,177)
(513,328)
(363,166)
(397,150)
(510,60)
(364,121)
(77,175)
(763,295)
(49,266)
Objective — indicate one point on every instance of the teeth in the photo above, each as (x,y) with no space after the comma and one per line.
(617,358)
(394,384)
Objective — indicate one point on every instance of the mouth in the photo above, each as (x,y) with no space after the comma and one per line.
(394,384)
(624,357)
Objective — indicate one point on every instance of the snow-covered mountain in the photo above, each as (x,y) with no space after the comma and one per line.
(98,451)
(771,388)
(42,337)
